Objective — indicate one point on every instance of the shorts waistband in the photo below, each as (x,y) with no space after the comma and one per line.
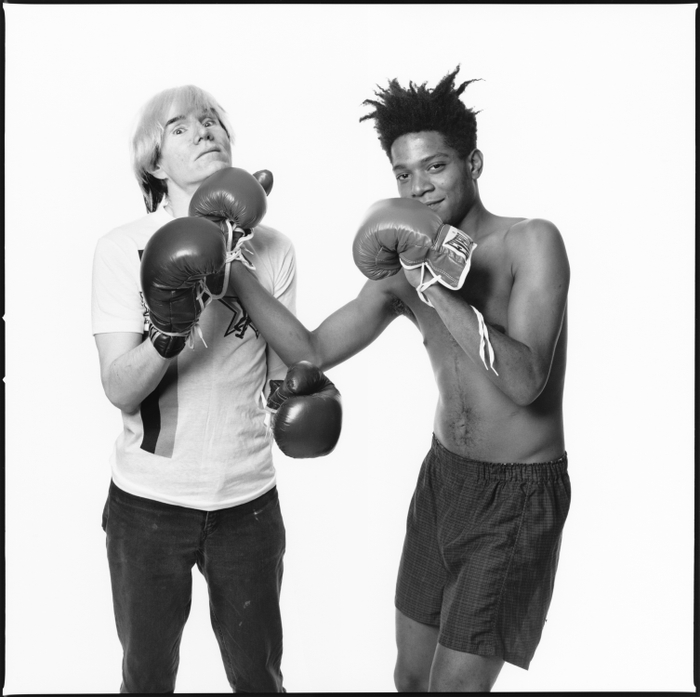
(507,471)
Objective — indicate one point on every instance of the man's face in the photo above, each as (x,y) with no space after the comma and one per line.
(431,172)
(194,146)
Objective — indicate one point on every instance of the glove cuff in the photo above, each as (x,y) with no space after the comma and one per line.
(167,345)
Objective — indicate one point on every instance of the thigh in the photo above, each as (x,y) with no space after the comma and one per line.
(502,555)
(151,551)
(422,576)
(242,562)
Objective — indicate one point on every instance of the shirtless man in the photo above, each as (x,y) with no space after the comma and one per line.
(485,523)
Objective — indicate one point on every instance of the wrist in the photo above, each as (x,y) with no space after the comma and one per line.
(427,286)
(167,346)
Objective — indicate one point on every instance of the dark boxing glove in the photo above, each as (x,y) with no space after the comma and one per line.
(236,201)
(232,194)
(175,263)
(264,176)
(306,411)
(401,232)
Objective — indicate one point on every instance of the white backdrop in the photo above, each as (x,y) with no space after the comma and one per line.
(587,119)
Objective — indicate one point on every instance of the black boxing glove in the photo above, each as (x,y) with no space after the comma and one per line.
(307,412)
(175,263)
(236,201)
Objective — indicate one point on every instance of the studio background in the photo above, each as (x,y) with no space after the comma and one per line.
(587,118)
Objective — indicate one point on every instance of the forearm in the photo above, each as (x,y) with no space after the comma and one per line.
(133,375)
(287,336)
(510,365)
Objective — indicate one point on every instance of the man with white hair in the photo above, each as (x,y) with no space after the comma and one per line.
(193,480)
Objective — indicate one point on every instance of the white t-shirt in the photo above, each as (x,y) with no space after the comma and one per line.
(201,439)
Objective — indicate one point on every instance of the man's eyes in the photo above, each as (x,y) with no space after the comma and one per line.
(432,168)
(207,123)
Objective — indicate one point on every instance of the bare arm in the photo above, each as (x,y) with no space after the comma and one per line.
(130,368)
(536,308)
(340,336)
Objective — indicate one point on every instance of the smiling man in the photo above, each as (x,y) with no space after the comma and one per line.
(193,481)
(485,523)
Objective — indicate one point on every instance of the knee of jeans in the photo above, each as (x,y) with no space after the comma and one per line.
(145,674)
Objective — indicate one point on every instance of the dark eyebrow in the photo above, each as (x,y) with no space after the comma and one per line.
(173,120)
(421,162)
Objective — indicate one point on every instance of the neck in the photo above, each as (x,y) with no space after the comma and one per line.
(178,202)
(475,222)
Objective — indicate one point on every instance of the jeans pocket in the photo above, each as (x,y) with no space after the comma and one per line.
(271,498)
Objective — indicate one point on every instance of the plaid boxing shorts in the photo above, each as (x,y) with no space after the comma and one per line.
(481,551)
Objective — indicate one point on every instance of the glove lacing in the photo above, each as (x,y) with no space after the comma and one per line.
(235,254)
(484,341)
(423,285)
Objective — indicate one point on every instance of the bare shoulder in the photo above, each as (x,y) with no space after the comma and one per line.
(533,240)
(528,231)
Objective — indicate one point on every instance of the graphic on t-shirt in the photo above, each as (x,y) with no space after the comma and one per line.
(159,413)
(241,319)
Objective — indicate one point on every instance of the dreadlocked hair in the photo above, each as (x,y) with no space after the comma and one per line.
(399,111)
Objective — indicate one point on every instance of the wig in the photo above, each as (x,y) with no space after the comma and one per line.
(147,140)
(399,111)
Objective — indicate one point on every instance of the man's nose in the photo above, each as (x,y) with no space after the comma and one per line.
(419,186)
(202,132)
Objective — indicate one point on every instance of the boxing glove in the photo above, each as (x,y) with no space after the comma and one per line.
(232,194)
(306,411)
(237,202)
(402,232)
(175,263)
(264,176)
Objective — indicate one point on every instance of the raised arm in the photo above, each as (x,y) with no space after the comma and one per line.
(340,336)
(524,353)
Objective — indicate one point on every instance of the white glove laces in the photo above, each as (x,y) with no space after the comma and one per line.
(423,285)
(235,254)
(484,341)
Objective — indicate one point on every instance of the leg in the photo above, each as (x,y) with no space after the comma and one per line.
(242,562)
(150,564)
(416,644)
(455,671)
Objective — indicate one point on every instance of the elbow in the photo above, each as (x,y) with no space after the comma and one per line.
(527,391)
(316,354)
(124,405)
(525,398)
(123,402)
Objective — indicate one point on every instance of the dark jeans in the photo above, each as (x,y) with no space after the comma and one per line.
(152,547)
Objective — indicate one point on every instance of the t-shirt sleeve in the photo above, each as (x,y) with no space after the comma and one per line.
(117,302)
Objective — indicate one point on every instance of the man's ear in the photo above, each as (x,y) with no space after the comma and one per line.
(475,162)
(158,172)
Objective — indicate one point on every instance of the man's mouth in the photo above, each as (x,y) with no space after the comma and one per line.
(206,152)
